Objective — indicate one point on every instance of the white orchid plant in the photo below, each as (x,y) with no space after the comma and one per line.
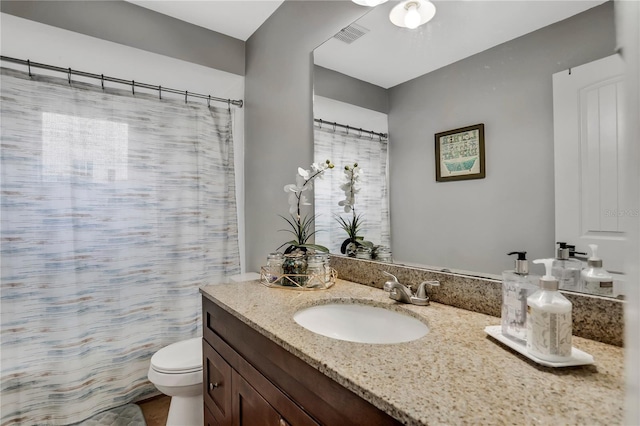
(351,226)
(302,227)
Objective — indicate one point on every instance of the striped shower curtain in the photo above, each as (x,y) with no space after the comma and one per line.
(371,154)
(115,209)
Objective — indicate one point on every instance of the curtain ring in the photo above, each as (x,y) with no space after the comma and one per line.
(209,101)
(29,67)
(186,93)
(133,87)
(229,105)
(360,132)
(347,129)
(371,135)
(159,92)
(334,126)
(102,81)
(69,75)
(320,121)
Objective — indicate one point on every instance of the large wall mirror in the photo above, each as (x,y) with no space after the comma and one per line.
(479,62)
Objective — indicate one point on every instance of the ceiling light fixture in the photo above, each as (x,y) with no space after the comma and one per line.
(369,3)
(412,13)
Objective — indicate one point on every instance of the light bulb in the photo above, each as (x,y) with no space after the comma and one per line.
(369,3)
(412,13)
(412,18)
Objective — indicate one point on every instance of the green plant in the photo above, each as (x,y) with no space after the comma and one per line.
(351,227)
(301,228)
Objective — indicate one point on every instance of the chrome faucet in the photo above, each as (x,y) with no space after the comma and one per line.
(403,294)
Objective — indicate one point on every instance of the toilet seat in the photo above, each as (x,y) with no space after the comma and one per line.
(179,358)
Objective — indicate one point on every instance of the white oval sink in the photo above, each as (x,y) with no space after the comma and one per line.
(361,323)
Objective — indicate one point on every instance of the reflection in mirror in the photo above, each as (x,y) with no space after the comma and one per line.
(475,62)
(353,198)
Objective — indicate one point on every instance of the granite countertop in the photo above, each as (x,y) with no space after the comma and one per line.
(455,374)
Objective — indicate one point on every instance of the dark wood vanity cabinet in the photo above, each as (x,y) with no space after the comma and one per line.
(250,408)
(218,387)
(250,380)
(230,399)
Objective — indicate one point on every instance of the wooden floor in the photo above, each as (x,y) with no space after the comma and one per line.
(155,410)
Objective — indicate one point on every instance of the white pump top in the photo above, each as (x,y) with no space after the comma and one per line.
(548,281)
(594,260)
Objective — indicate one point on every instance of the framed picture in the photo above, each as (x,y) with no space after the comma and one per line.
(460,154)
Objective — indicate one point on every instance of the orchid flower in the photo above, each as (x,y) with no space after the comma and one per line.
(302,226)
(351,187)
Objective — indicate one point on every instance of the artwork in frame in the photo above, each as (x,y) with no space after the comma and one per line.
(460,154)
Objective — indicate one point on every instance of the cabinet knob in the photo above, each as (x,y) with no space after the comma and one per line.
(283,422)
(212,386)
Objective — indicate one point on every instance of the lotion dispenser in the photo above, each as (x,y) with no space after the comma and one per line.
(595,279)
(566,269)
(549,319)
(517,285)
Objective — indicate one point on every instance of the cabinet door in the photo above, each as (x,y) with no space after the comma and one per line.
(216,386)
(209,420)
(250,408)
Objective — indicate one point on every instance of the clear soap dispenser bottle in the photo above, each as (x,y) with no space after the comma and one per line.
(517,285)
(566,269)
(595,279)
(549,325)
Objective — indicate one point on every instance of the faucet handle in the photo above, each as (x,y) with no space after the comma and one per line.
(422,289)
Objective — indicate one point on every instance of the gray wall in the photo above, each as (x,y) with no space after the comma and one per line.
(135,26)
(340,87)
(279,112)
(472,224)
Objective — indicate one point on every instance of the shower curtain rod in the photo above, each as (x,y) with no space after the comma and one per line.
(131,83)
(347,127)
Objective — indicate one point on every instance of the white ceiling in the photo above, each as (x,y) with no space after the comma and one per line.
(235,18)
(389,55)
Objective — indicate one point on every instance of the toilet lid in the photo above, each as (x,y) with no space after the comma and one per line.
(180,357)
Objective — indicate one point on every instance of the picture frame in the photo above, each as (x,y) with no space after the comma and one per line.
(460,154)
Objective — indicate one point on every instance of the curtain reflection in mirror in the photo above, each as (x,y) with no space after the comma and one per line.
(371,155)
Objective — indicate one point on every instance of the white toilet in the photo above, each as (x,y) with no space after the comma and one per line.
(176,371)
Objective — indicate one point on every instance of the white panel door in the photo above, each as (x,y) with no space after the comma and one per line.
(587,116)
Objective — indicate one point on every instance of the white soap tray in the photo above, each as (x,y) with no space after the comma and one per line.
(578,357)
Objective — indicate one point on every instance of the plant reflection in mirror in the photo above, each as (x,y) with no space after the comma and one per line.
(302,227)
(351,226)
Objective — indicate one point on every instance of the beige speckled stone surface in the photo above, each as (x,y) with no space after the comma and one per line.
(454,375)
(594,317)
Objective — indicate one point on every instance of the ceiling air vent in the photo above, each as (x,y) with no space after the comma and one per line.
(351,33)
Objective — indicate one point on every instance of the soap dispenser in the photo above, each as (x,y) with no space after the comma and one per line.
(566,269)
(517,285)
(595,279)
(549,319)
